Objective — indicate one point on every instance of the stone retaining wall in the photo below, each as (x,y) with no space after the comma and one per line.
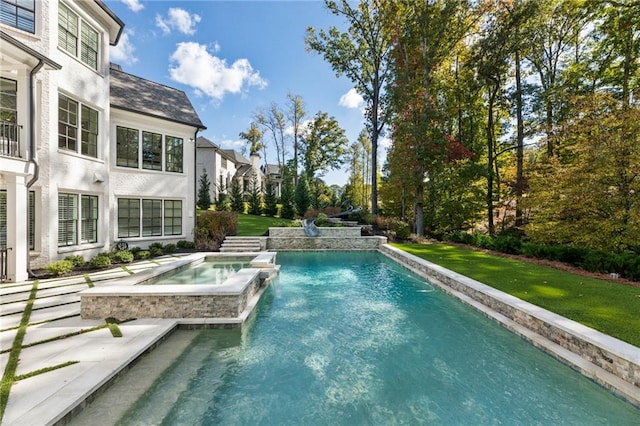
(325,243)
(615,357)
(298,232)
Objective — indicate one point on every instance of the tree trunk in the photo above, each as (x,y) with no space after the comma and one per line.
(491,158)
(520,143)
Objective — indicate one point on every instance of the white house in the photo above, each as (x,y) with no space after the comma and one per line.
(71,168)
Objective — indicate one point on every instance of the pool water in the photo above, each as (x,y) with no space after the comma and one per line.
(207,272)
(354,338)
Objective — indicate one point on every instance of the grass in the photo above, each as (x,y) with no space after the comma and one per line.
(605,306)
(254,226)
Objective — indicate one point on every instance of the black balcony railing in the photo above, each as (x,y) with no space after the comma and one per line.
(10,139)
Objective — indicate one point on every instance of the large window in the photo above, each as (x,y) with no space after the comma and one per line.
(70,208)
(173,217)
(19,14)
(128,217)
(151,151)
(174,150)
(151,218)
(127,147)
(8,101)
(148,217)
(68,120)
(87,42)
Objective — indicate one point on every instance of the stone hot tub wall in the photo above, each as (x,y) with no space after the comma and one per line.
(611,362)
(227,300)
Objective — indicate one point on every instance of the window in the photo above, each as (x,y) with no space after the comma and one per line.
(128,217)
(8,101)
(67,219)
(89,143)
(155,220)
(151,151)
(174,154)
(127,147)
(173,217)
(89,46)
(151,218)
(89,40)
(67,30)
(89,219)
(68,126)
(20,14)
(223,163)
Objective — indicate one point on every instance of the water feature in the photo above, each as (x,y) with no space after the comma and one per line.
(354,338)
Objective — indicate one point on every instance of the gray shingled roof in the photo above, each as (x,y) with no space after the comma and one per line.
(236,156)
(135,94)
(203,142)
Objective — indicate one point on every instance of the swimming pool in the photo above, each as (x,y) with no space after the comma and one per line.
(354,338)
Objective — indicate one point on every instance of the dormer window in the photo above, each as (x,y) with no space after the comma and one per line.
(20,14)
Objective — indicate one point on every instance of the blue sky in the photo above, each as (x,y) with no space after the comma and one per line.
(234,57)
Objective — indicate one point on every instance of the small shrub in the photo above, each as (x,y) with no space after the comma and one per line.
(122,256)
(143,254)
(102,260)
(401,230)
(135,250)
(59,268)
(507,244)
(170,248)
(156,251)
(77,260)
(186,245)
(156,246)
(321,219)
(204,241)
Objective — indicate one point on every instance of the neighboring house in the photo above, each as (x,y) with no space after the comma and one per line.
(273,173)
(227,164)
(219,165)
(68,183)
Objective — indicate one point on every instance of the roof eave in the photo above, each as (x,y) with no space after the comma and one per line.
(198,126)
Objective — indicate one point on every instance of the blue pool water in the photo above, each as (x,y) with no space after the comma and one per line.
(353,338)
(208,272)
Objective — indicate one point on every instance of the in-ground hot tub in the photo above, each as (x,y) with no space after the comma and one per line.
(226,303)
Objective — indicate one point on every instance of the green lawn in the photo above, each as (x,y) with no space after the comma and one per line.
(252,226)
(608,307)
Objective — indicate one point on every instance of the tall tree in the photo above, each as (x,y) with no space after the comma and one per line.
(322,146)
(424,34)
(302,195)
(254,196)
(204,196)
(295,116)
(361,53)
(237,197)
(270,199)
(273,121)
(288,210)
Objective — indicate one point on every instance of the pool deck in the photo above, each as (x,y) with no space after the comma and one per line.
(49,397)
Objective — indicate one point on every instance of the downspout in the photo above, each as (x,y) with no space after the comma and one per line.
(195,179)
(32,151)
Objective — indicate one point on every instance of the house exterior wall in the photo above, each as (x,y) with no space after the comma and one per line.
(206,160)
(139,183)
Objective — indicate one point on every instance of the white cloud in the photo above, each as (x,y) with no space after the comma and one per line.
(124,51)
(193,65)
(351,99)
(134,5)
(178,19)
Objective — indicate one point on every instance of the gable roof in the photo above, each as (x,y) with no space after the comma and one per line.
(236,156)
(203,142)
(136,94)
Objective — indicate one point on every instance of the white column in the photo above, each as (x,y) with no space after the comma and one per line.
(17,216)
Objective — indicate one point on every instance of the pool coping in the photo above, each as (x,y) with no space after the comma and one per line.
(608,361)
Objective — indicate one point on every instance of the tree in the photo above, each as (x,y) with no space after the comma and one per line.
(273,121)
(270,199)
(302,196)
(222,202)
(296,116)
(288,210)
(254,138)
(322,146)
(255,196)
(361,53)
(237,197)
(204,196)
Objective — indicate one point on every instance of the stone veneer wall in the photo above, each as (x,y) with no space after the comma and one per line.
(329,238)
(618,358)
(298,232)
(123,304)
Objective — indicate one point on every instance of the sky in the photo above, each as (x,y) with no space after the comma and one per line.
(235,57)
